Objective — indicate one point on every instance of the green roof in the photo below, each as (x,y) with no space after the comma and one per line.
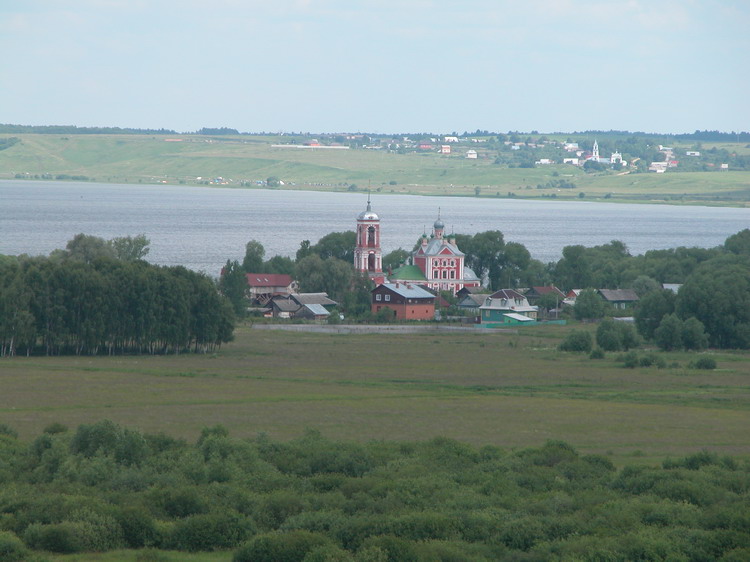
(407,273)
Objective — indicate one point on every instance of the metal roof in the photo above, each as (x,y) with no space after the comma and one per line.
(519,317)
(313,298)
(317,309)
(408,290)
(408,273)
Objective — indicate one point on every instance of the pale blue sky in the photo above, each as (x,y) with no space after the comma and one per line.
(377,66)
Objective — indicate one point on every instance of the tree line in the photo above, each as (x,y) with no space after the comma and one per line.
(100,297)
(75,130)
(103,487)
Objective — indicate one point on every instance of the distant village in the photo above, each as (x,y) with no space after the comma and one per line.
(416,289)
(547,151)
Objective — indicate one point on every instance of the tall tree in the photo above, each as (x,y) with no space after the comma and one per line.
(129,248)
(254,254)
(233,285)
(88,248)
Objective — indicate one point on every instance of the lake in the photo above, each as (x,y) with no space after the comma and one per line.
(202,227)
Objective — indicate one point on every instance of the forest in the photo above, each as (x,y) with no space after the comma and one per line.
(105,487)
(101,297)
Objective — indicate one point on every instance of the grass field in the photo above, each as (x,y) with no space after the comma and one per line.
(512,390)
(155,159)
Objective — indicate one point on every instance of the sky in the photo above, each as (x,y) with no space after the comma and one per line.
(377,66)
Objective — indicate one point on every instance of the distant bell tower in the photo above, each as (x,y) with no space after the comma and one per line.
(595,152)
(368,257)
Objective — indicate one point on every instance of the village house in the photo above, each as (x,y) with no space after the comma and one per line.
(312,306)
(262,287)
(406,301)
(619,298)
(507,306)
(534,294)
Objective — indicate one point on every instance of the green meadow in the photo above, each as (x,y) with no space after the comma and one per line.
(512,390)
(243,160)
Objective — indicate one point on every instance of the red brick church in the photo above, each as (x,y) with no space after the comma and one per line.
(437,264)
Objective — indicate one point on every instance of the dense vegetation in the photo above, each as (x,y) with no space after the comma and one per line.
(101,297)
(711,308)
(105,487)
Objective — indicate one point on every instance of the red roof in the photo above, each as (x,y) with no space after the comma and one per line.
(268,279)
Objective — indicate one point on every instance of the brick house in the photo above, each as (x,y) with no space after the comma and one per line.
(407,301)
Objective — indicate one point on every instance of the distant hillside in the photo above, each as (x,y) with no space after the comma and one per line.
(503,167)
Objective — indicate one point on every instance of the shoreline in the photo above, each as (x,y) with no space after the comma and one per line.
(693,201)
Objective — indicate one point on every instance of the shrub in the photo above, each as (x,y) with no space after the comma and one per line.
(127,446)
(211,531)
(55,427)
(59,537)
(394,548)
(277,507)
(648,360)
(138,527)
(608,335)
(578,341)
(11,547)
(328,553)
(597,353)
(273,547)
(707,363)
(630,360)
(5,429)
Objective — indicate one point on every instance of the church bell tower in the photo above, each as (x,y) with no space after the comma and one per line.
(368,257)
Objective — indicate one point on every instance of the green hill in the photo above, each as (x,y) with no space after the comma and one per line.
(248,160)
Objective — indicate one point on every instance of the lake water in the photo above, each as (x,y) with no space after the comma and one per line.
(202,227)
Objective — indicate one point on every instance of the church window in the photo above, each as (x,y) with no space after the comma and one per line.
(453,273)
(371,236)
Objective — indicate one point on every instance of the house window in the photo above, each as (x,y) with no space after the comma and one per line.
(377,297)
(388,297)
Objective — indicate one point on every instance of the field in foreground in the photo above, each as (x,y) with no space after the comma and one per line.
(511,390)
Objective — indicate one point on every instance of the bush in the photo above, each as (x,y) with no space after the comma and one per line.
(5,429)
(128,447)
(54,428)
(394,548)
(138,527)
(597,353)
(608,335)
(630,360)
(274,547)
(211,531)
(60,537)
(577,341)
(707,363)
(11,547)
